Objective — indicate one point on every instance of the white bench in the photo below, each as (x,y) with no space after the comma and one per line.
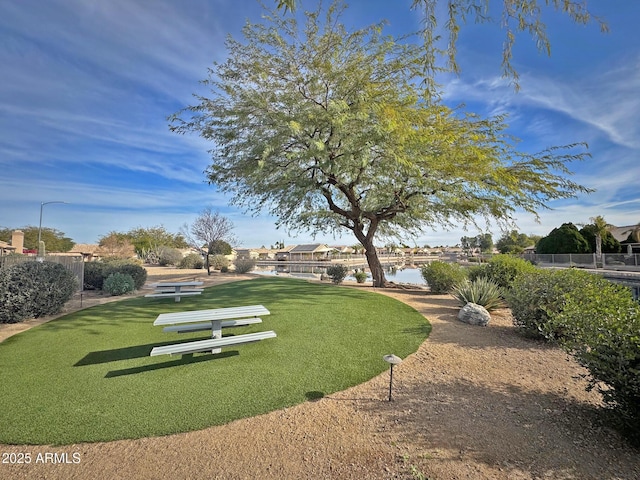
(210,344)
(215,319)
(231,313)
(182,290)
(175,290)
(196,327)
(175,295)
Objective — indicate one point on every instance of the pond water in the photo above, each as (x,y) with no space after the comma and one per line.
(393,274)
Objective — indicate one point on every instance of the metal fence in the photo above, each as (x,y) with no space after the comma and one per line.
(74,264)
(611,261)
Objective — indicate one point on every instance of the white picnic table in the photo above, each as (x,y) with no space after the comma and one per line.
(214,320)
(175,289)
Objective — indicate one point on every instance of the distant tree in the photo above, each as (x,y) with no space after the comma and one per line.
(212,232)
(327,130)
(149,241)
(357,248)
(564,239)
(482,242)
(115,244)
(220,247)
(515,242)
(55,240)
(517,16)
(599,237)
(485,242)
(467,244)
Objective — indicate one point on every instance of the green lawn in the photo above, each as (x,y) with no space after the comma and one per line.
(88,376)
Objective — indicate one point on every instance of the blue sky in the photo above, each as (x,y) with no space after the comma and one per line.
(86,87)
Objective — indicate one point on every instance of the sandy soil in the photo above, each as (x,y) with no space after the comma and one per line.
(471,403)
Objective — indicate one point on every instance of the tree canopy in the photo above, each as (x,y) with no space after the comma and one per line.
(482,242)
(515,242)
(516,17)
(327,130)
(55,240)
(564,239)
(599,237)
(116,245)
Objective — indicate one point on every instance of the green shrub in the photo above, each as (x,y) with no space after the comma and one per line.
(480,291)
(537,296)
(219,261)
(118,284)
(502,269)
(169,256)
(360,276)
(137,272)
(33,290)
(224,269)
(117,261)
(602,323)
(244,265)
(337,273)
(192,261)
(441,276)
(93,275)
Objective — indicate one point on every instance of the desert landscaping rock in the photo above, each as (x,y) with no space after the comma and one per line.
(474,314)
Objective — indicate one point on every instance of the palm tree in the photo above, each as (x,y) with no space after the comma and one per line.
(602,228)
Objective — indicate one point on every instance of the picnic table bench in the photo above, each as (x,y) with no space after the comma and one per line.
(215,320)
(175,290)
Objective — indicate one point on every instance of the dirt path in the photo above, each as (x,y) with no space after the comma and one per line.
(471,403)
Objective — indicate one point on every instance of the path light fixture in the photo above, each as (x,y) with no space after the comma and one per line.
(392,360)
(42,204)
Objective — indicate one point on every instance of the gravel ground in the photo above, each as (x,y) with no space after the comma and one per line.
(471,403)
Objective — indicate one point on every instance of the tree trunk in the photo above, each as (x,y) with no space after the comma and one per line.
(206,261)
(377,272)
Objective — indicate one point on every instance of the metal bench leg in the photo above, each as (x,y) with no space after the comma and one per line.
(216,332)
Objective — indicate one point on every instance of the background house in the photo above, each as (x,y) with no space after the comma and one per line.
(309,252)
(247,253)
(284,254)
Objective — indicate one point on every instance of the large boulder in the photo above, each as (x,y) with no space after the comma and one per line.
(474,314)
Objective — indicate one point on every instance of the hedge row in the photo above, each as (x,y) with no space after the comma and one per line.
(95,273)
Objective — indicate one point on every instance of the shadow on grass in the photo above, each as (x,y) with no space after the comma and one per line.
(129,353)
(117,354)
(314,396)
(184,360)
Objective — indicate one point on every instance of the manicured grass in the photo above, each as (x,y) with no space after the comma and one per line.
(88,376)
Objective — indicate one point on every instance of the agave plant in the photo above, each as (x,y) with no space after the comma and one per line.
(480,291)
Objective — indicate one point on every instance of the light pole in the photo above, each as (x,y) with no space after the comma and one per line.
(42,204)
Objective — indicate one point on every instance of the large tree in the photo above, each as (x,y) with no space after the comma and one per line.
(564,239)
(512,16)
(327,130)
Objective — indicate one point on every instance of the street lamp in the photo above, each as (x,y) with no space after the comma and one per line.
(42,204)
